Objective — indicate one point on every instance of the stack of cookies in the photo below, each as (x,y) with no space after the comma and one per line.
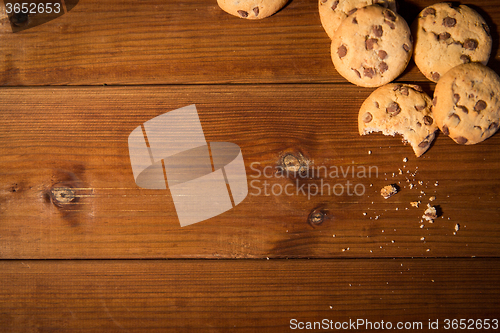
(372,45)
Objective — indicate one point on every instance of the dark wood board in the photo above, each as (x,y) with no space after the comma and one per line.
(52,136)
(243,295)
(189,42)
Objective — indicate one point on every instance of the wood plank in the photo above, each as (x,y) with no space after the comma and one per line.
(77,137)
(164,42)
(241,296)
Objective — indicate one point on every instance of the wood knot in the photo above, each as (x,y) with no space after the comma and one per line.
(316,217)
(294,164)
(62,195)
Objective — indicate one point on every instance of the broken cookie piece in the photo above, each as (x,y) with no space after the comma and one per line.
(388,191)
(430,213)
(400,109)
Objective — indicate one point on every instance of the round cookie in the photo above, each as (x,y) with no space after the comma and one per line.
(333,12)
(251,9)
(400,109)
(466,103)
(447,36)
(372,46)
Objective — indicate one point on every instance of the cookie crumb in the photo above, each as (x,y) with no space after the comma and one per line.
(369,152)
(430,214)
(405,159)
(457,227)
(415,203)
(422,238)
(432,198)
(388,191)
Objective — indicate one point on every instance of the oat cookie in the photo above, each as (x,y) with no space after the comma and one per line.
(399,109)
(372,46)
(466,103)
(251,9)
(447,36)
(333,12)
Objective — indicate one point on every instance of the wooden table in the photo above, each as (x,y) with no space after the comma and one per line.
(111,256)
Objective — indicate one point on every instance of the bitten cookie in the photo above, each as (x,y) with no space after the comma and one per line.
(399,109)
(372,46)
(333,12)
(447,36)
(466,103)
(251,9)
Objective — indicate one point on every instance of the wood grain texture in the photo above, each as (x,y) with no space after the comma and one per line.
(194,42)
(78,137)
(241,296)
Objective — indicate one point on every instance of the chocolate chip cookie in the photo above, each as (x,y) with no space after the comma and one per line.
(466,103)
(333,12)
(372,46)
(251,9)
(400,109)
(447,36)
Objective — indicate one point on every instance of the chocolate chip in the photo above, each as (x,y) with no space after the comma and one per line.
(383,67)
(393,109)
(352,11)
(463,108)
(370,42)
(242,13)
(493,127)
(369,72)
(454,120)
(355,21)
(378,31)
(388,14)
(435,76)
(461,140)
(445,130)
(419,107)
(434,101)
(335,4)
(486,29)
(428,120)
(456,98)
(444,36)
(342,51)
(404,91)
(367,117)
(417,88)
(419,124)
(465,59)
(449,22)
(406,47)
(357,72)
(390,24)
(396,87)
(480,105)
(423,144)
(256,11)
(382,54)
(377,105)
(429,11)
(471,44)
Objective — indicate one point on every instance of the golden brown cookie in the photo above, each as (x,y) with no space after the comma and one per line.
(447,36)
(399,109)
(466,103)
(333,12)
(251,9)
(372,46)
